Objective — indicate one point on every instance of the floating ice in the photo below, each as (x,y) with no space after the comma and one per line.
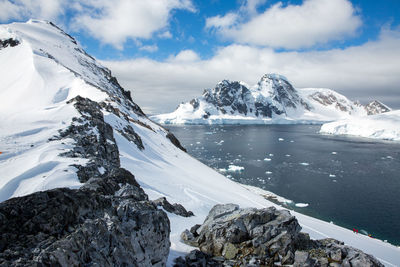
(271,155)
(281,139)
(268,172)
(198,143)
(301,205)
(332,175)
(304,163)
(287,155)
(220,143)
(334,153)
(234,168)
(267,159)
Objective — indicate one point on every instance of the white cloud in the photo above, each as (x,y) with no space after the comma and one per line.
(165,35)
(110,21)
(221,22)
(361,72)
(113,22)
(292,26)
(149,48)
(185,56)
(39,9)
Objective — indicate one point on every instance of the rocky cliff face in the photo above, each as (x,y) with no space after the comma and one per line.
(231,236)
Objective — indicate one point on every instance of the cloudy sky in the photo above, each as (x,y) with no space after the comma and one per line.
(168,51)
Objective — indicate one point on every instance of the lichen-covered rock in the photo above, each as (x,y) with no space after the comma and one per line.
(264,237)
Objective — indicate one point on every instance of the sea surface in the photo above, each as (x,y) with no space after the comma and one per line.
(351,182)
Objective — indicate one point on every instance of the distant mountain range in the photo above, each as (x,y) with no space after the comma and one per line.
(272,100)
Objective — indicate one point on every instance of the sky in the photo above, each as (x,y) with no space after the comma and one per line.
(168,51)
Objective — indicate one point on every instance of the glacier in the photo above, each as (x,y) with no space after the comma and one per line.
(384,126)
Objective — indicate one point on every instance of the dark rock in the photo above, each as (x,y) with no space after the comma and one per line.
(175,141)
(8,42)
(197,258)
(175,208)
(94,140)
(270,237)
(65,227)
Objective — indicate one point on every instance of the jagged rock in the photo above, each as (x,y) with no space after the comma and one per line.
(89,226)
(270,237)
(8,42)
(288,259)
(175,141)
(197,258)
(94,140)
(175,208)
(302,259)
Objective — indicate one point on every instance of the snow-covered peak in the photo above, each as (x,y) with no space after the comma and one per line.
(273,76)
(44,39)
(272,100)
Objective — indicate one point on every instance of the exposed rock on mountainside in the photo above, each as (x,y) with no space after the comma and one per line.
(376,107)
(231,236)
(73,146)
(108,222)
(272,100)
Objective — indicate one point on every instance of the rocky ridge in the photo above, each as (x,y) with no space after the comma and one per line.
(231,236)
(109,220)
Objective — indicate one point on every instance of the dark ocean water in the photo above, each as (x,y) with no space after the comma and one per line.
(352,182)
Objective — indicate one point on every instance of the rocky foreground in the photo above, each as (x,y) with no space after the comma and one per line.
(231,236)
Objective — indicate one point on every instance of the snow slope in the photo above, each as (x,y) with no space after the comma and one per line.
(384,126)
(273,100)
(46,70)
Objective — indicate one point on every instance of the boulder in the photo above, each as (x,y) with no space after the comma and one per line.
(264,237)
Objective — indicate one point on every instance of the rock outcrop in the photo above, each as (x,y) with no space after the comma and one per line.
(108,222)
(376,107)
(175,208)
(231,236)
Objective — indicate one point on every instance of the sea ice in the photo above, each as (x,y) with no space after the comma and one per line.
(301,205)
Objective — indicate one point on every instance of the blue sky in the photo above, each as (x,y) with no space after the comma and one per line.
(168,51)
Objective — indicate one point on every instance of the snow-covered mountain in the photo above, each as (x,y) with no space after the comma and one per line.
(272,100)
(66,122)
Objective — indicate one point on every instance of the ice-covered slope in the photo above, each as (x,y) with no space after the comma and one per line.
(50,137)
(273,100)
(384,126)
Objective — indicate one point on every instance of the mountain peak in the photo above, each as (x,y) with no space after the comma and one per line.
(273,76)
